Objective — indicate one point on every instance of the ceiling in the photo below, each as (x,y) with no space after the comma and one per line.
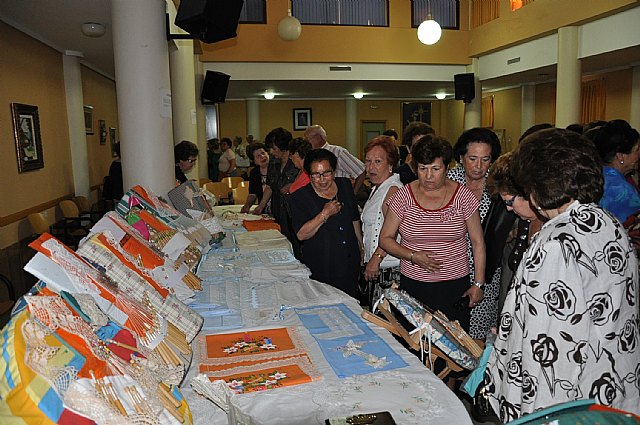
(60,26)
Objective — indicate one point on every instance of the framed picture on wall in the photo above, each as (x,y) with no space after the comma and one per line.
(416,111)
(113,141)
(26,129)
(301,118)
(88,119)
(102,127)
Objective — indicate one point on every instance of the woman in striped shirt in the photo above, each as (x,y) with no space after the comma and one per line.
(433,216)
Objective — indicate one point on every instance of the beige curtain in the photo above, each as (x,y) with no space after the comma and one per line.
(484,11)
(487,111)
(594,99)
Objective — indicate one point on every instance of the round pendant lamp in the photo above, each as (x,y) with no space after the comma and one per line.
(289,27)
(429,31)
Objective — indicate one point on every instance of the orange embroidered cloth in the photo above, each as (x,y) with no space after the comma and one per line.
(222,351)
(254,225)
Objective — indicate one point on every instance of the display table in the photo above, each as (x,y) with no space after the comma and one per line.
(265,288)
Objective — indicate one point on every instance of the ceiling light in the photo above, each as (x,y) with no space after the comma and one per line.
(441,96)
(289,27)
(429,31)
(269,95)
(358,95)
(93,29)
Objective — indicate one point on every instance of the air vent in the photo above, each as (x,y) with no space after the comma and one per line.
(340,68)
(514,60)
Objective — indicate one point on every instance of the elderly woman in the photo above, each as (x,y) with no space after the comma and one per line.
(434,215)
(186,155)
(298,150)
(500,182)
(618,146)
(475,151)
(381,154)
(258,179)
(227,161)
(569,326)
(325,218)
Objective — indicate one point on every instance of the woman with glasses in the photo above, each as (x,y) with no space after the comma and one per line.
(325,218)
(185,154)
(500,182)
(434,215)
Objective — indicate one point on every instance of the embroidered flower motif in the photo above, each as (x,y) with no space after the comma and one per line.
(268,347)
(586,220)
(277,376)
(600,308)
(560,300)
(603,389)
(615,257)
(230,350)
(580,352)
(514,369)
(529,387)
(627,340)
(545,350)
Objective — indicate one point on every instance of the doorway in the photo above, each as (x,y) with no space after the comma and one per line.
(369,130)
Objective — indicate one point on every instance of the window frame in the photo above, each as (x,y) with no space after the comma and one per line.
(457,27)
(386,25)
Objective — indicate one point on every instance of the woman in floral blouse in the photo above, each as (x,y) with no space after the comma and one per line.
(569,328)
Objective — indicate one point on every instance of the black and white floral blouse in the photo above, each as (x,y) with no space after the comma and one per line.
(569,328)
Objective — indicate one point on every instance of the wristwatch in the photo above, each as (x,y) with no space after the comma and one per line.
(478,284)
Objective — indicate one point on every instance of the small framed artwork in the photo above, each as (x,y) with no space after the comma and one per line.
(301,118)
(26,129)
(88,119)
(113,141)
(102,127)
(416,111)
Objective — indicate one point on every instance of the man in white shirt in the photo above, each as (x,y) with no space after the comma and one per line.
(348,165)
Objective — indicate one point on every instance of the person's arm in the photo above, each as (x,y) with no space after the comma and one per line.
(357,184)
(265,198)
(232,165)
(357,227)
(474,227)
(311,227)
(251,199)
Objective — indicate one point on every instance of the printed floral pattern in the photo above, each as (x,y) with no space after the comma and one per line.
(257,382)
(249,345)
(570,327)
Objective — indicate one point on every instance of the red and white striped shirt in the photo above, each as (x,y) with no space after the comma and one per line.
(442,231)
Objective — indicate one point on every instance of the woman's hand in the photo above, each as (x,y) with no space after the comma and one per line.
(257,210)
(372,270)
(245,209)
(425,260)
(475,295)
(331,208)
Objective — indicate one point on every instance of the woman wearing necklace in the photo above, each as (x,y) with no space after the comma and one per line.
(325,218)
(381,154)
(475,151)
(434,215)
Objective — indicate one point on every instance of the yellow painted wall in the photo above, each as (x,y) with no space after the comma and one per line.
(32,73)
(397,43)
(618,86)
(99,92)
(545,98)
(537,18)
(507,110)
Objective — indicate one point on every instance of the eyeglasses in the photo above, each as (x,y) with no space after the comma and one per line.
(317,176)
(509,202)
(191,161)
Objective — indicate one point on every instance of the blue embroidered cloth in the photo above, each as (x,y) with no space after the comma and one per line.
(333,327)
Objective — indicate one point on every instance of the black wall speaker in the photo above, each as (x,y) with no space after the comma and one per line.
(209,20)
(465,87)
(214,88)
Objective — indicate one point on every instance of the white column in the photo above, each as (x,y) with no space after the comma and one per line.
(253,118)
(201,119)
(527,107)
(569,78)
(75,121)
(351,126)
(634,113)
(144,95)
(473,110)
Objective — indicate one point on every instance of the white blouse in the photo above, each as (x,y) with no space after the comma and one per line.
(372,220)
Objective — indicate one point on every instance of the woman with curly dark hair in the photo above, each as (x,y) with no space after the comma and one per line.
(569,327)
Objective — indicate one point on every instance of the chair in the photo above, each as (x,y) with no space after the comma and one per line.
(240,195)
(220,189)
(232,182)
(71,211)
(67,230)
(6,306)
(244,183)
(203,181)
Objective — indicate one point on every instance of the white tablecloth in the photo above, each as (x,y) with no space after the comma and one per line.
(412,394)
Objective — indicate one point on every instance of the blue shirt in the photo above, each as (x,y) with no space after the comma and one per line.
(620,198)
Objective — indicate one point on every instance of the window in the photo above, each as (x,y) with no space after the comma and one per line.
(444,12)
(342,12)
(253,12)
